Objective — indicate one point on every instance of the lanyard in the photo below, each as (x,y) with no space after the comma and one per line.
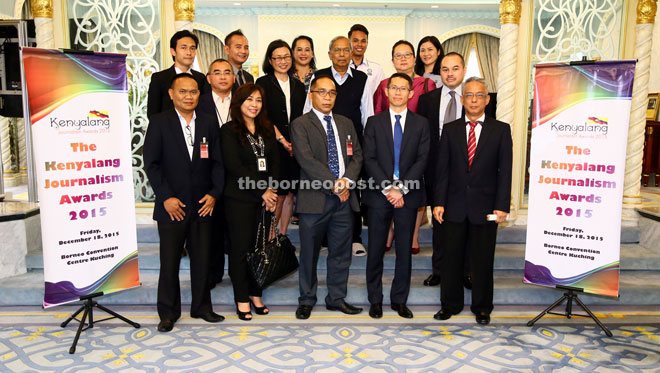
(219,116)
(255,144)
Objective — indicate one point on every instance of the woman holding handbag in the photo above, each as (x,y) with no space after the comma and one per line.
(250,154)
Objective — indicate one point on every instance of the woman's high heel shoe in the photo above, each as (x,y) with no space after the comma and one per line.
(260,310)
(243,315)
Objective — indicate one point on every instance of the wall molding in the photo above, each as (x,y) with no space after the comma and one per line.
(483,29)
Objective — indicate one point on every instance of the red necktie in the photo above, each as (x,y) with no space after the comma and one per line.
(472,143)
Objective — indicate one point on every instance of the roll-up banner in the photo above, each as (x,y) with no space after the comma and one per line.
(577,165)
(81,144)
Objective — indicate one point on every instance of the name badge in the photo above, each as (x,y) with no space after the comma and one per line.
(261,164)
(204,149)
(349,146)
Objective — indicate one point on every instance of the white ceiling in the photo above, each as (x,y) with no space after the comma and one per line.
(419,4)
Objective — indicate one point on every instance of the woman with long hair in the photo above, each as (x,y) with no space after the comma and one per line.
(429,57)
(304,62)
(285,98)
(250,154)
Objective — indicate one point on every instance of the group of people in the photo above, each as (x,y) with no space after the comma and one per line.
(351,144)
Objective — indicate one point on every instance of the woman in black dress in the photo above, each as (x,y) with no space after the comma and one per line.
(284,99)
(250,154)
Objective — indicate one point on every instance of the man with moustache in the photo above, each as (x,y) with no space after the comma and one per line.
(183,48)
(183,162)
(359,37)
(238,51)
(396,145)
(472,194)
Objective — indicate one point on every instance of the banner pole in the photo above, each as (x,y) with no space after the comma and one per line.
(27,121)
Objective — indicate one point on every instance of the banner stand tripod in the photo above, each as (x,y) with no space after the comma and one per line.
(88,307)
(570,295)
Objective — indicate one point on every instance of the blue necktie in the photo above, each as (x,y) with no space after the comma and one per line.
(333,158)
(398,136)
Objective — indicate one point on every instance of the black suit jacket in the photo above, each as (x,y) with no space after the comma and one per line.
(429,107)
(474,193)
(170,170)
(378,150)
(206,106)
(158,98)
(247,78)
(276,102)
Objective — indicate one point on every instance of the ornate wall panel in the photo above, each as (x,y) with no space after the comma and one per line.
(131,27)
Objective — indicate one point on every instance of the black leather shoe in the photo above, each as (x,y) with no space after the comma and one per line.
(443,314)
(165,325)
(467,282)
(376,311)
(345,308)
(303,312)
(482,318)
(209,317)
(402,310)
(432,280)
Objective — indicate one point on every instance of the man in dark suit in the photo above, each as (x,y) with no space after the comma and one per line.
(183,47)
(440,106)
(215,104)
(472,195)
(396,146)
(183,162)
(238,51)
(330,157)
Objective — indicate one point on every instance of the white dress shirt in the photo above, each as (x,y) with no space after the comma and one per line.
(445,97)
(340,153)
(182,120)
(286,89)
(477,128)
(374,72)
(179,71)
(222,108)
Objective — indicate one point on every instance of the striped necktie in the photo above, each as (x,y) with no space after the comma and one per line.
(472,143)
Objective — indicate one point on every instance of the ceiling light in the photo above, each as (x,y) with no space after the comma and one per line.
(434,6)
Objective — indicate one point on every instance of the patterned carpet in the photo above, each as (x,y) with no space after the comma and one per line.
(327,344)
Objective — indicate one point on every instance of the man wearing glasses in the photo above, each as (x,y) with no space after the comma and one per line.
(396,146)
(330,158)
(183,162)
(471,197)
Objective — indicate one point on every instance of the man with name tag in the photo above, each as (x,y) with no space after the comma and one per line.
(184,165)
(330,157)
(472,195)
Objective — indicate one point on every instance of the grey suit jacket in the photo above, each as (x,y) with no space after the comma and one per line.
(310,148)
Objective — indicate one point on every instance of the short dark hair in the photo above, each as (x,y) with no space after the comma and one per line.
(406,42)
(182,76)
(455,54)
(180,35)
(262,125)
(358,27)
(313,84)
(275,44)
(216,61)
(419,65)
(238,32)
(312,63)
(402,76)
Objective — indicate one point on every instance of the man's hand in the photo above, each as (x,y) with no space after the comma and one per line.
(208,202)
(340,186)
(174,208)
(395,198)
(343,196)
(501,216)
(438,211)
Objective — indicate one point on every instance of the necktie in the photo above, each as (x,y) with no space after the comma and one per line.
(450,113)
(472,143)
(398,136)
(333,158)
(240,77)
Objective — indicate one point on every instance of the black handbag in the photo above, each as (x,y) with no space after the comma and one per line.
(271,259)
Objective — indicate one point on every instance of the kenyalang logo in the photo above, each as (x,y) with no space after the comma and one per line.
(95,118)
(592,125)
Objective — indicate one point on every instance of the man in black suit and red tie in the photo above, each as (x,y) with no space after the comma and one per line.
(472,195)
(183,48)
(396,147)
(184,165)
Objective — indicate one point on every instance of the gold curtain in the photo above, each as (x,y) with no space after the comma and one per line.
(488,55)
(209,49)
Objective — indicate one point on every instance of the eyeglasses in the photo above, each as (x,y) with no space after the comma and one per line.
(281,58)
(323,93)
(401,56)
(189,137)
(479,96)
(399,89)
